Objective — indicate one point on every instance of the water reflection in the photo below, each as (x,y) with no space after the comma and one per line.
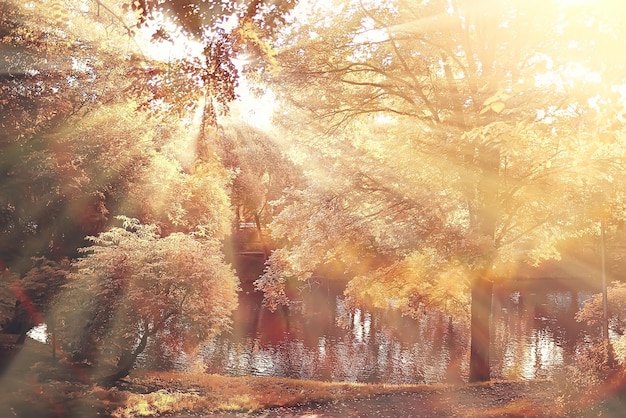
(534,334)
(371,348)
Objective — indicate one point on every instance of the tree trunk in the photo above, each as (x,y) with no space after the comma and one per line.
(264,245)
(19,324)
(126,362)
(488,210)
(482,292)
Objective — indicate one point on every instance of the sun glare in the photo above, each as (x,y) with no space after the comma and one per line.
(252,109)
(178,46)
(572,3)
(425,192)
(255,111)
(580,3)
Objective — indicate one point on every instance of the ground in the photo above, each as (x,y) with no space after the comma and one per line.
(495,399)
(486,400)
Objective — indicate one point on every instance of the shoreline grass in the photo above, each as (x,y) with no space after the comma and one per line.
(210,392)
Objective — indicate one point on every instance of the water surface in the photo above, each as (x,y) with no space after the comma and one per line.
(534,335)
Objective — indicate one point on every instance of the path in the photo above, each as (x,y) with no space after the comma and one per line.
(503,399)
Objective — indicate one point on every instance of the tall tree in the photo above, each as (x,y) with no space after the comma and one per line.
(95,128)
(459,140)
(225,30)
(87,135)
(68,149)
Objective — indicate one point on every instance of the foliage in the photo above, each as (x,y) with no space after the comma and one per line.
(196,18)
(419,286)
(7,296)
(225,30)
(86,136)
(133,286)
(619,350)
(68,147)
(24,302)
(193,200)
(261,171)
(460,136)
(39,286)
(592,311)
(581,384)
(402,121)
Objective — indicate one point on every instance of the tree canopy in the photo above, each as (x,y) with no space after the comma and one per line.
(94,128)
(425,150)
(456,141)
(134,287)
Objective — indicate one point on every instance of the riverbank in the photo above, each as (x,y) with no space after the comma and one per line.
(156,394)
(152,394)
(31,387)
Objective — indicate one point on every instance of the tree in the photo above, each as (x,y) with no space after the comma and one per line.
(459,140)
(84,130)
(78,70)
(591,312)
(64,144)
(34,294)
(195,18)
(225,30)
(261,172)
(37,98)
(94,128)
(134,286)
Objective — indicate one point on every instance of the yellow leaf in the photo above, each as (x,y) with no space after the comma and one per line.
(497,107)
(491,100)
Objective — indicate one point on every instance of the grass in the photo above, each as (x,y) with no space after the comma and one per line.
(201,392)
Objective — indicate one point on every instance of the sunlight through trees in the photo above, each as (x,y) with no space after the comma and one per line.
(424,151)
(463,134)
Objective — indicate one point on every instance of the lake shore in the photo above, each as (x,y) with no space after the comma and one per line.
(31,387)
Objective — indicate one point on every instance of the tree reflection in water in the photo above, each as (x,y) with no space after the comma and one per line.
(535,334)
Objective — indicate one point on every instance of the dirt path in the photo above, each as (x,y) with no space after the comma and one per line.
(503,399)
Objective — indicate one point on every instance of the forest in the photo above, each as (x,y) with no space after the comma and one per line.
(166,163)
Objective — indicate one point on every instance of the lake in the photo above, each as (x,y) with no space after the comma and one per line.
(534,335)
